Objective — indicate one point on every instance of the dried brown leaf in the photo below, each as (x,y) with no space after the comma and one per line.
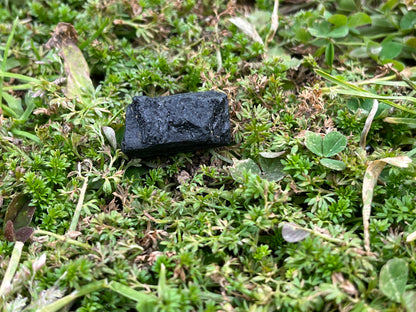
(9,231)
(65,39)
(23,234)
(183,177)
(246,27)
(274,22)
(73,234)
(367,124)
(411,237)
(370,179)
(293,233)
(339,281)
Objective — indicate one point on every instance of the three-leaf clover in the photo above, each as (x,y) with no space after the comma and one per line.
(327,146)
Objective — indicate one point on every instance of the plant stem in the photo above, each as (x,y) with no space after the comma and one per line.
(323,236)
(77,212)
(367,124)
(61,303)
(345,43)
(63,238)
(11,270)
(274,23)
(130,293)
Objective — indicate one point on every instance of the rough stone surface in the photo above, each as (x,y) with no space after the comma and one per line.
(177,123)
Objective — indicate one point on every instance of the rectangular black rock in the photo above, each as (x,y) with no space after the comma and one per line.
(176,123)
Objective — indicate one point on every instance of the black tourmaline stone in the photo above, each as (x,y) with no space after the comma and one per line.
(177,123)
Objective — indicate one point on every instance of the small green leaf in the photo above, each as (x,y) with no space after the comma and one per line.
(339,32)
(271,154)
(398,66)
(411,42)
(390,50)
(393,279)
(240,166)
(408,21)
(30,105)
(381,23)
(360,52)
(292,233)
(11,63)
(409,300)
(358,19)
(147,306)
(338,20)
(271,166)
(329,54)
(107,187)
(110,135)
(333,164)
(333,143)
(320,30)
(373,48)
(314,143)
(133,171)
(347,5)
(14,104)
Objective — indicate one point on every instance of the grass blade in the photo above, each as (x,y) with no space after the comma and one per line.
(368,123)
(384,98)
(14,104)
(353,90)
(130,292)
(18,87)
(8,111)
(27,135)
(95,35)
(398,120)
(17,76)
(11,269)
(61,303)
(77,212)
(5,54)
(338,81)
(393,279)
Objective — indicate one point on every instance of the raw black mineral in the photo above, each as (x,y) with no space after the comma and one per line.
(177,123)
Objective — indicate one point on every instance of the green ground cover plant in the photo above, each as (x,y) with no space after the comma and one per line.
(311,208)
